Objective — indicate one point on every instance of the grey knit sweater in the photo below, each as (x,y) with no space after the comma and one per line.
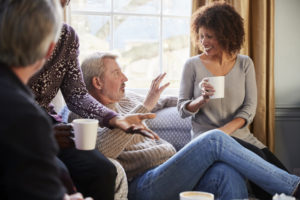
(240,98)
(135,152)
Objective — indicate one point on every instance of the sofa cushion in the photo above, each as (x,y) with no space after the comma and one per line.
(171,127)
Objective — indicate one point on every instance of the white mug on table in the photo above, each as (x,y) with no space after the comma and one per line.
(196,195)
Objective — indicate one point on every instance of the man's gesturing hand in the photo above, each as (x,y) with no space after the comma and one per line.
(155,92)
(134,123)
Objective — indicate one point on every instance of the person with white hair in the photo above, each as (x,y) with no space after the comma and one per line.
(213,162)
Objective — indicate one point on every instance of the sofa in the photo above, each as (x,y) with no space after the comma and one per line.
(171,127)
(167,124)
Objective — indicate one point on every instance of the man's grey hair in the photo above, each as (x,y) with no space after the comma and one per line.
(27,28)
(93,66)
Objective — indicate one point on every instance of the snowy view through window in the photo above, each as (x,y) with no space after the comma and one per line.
(151,36)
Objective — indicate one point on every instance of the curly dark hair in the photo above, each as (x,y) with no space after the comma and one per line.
(224,21)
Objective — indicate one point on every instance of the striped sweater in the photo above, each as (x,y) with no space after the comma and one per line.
(135,152)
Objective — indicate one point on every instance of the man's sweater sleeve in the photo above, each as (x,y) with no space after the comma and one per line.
(111,142)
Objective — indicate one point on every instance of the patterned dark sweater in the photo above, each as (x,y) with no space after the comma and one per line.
(62,71)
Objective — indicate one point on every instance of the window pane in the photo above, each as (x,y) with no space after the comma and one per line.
(175,48)
(177,7)
(137,6)
(93,32)
(91,5)
(136,39)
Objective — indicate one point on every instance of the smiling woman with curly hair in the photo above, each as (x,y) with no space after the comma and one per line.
(218,30)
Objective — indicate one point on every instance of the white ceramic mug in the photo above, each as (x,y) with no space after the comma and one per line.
(85,131)
(218,82)
(196,195)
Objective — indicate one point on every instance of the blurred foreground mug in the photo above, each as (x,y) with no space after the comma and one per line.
(195,195)
(218,82)
(85,131)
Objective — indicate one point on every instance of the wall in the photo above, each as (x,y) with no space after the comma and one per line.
(287,82)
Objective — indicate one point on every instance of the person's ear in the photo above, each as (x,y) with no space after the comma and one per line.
(50,49)
(97,83)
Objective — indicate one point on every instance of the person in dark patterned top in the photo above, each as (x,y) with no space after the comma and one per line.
(93,174)
(62,71)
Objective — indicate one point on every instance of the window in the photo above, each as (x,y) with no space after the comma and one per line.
(151,36)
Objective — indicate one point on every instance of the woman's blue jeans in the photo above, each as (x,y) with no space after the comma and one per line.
(192,166)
